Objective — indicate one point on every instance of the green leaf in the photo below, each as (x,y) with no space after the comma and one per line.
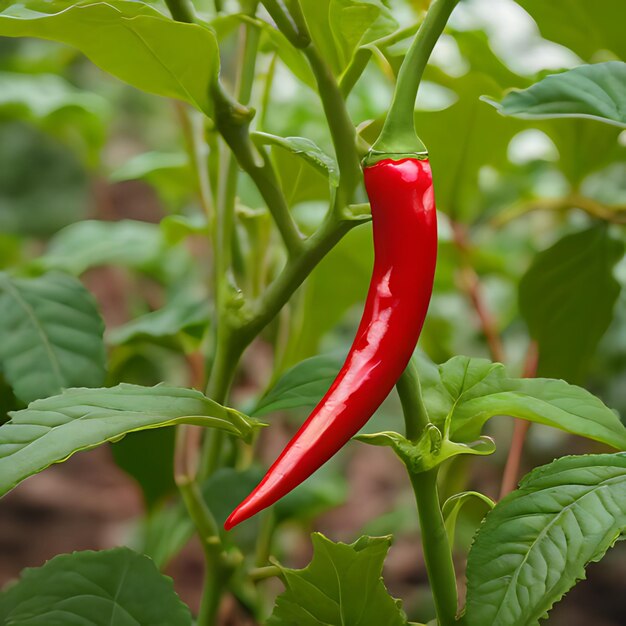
(51,430)
(580,26)
(430,450)
(305,149)
(151,51)
(301,386)
(341,585)
(588,91)
(129,243)
(463,393)
(567,298)
(117,587)
(183,315)
(51,335)
(339,27)
(535,544)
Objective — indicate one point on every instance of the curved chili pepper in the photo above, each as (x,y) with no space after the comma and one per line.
(405,246)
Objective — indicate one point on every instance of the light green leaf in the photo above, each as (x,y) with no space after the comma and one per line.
(588,91)
(453,505)
(129,243)
(184,316)
(301,386)
(151,51)
(535,544)
(339,27)
(307,150)
(342,585)
(567,298)
(112,587)
(52,429)
(51,335)
(465,392)
(580,26)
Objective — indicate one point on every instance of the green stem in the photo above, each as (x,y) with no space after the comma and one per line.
(233,122)
(217,568)
(181,10)
(262,573)
(342,129)
(265,537)
(413,407)
(437,551)
(398,134)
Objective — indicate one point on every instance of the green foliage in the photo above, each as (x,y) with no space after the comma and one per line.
(52,335)
(588,91)
(342,585)
(52,429)
(535,544)
(151,51)
(567,298)
(116,586)
(463,393)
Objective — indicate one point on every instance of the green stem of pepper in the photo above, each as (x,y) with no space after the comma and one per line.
(398,134)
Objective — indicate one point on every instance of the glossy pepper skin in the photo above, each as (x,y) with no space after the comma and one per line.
(405,249)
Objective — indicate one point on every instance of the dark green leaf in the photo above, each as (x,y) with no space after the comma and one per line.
(342,585)
(114,587)
(567,298)
(151,51)
(535,544)
(51,335)
(52,429)
(301,386)
(148,456)
(589,91)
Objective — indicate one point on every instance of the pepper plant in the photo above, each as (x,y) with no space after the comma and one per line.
(268,242)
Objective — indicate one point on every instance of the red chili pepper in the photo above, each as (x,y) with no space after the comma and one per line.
(405,246)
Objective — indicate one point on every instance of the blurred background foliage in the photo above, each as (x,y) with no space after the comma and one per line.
(97,179)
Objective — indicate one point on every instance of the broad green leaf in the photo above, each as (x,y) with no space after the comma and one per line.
(567,298)
(301,386)
(341,585)
(588,91)
(535,544)
(182,316)
(129,243)
(51,335)
(463,393)
(113,587)
(148,457)
(307,150)
(582,26)
(150,51)
(430,450)
(52,429)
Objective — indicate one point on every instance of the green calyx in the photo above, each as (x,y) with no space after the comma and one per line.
(374,156)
